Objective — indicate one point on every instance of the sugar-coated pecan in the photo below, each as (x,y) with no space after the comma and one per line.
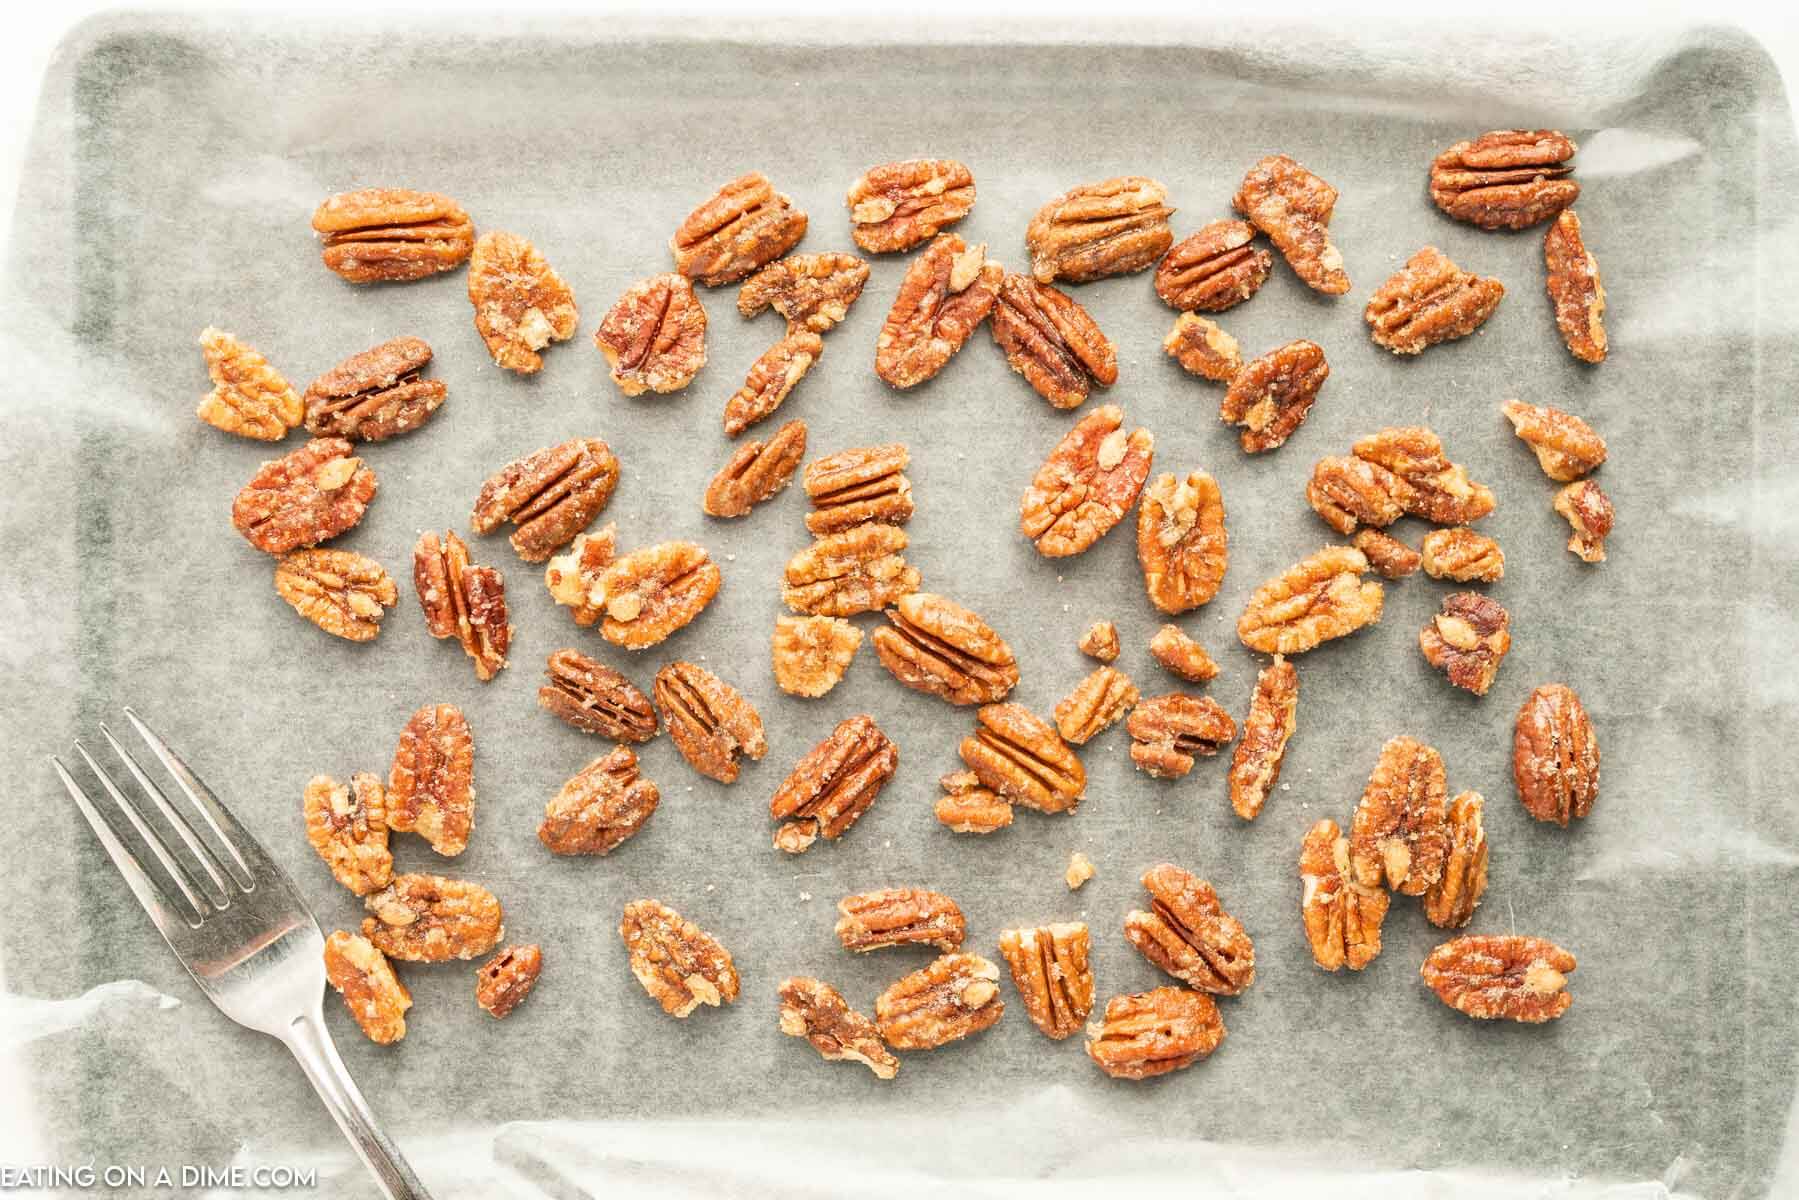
(1271,395)
(462,601)
(899,917)
(1389,556)
(1180,655)
(1450,902)
(1467,640)
(248,397)
(833,784)
(812,653)
(574,576)
(756,472)
(1187,933)
(957,995)
(1347,491)
(602,806)
(1436,489)
(743,226)
(1079,870)
(340,591)
(1023,759)
(945,295)
(968,806)
(521,303)
(431,784)
(1213,268)
(1050,970)
(1574,288)
(852,571)
(365,979)
(1293,207)
(813,291)
(1566,446)
(549,496)
(594,698)
(679,964)
(1555,755)
(1400,836)
(1100,641)
(814,1010)
(899,205)
(305,497)
(858,485)
(1087,484)
(427,918)
(649,594)
(1152,1033)
(1505,179)
(1462,555)
(1273,713)
(504,980)
(1203,349)
(1589,514)
(1169,731)
(1182,545)
(1492,977)
(1430,300)
(347,825)
(771,379)
(936,646)
(384,235)
(1051,340)
(654,337)
(1096,703)
(709,720)
(1318,598)
(375,395)
(1113,227)
(1342,917)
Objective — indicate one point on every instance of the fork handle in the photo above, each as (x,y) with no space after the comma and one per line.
(312,1045)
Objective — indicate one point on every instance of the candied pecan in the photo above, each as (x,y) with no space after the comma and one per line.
(1050,970)
(1490,977)
(462,601)
(1467,640)
(521,303)
(813,291)
(305,497)
(1187,933)
(756,472)
(347,825)
(1342,917)
(771,378)
(855,486)
(1182,545)
(1152,1033)
(1388,555)
(1451,901)
(1589,513)
(365,979)
(574,577)
(1400,835)
(375,395)
(1100,641)
(654,338)
(679,964)
(1506,179)
(1113,227)
(852,571)
(955,996)
(1080,869)
(1293,207)
(934,645)
(812,653)
(1346,490)
(383,235)
(1462,555)
(1555,755)
(743,226)
(899,205)
(340,591)
(1436,489)
(1051,340)
(430,787)
(1213,268)
(1023,759)
(550,496)
(833,784)
(1168,731)
(1271,395)
(1087,484)
(427,918)
(1096,703)
(1181,655)
(1203,349)
(945,295)
(1430,300)
(248,397)
(600,808)
(596,699)
(968,807)
(1574,288)
(649,594)
(710,721)
(814,1010)
(1566,446)
(1316,599)
(899,917)
(1273,713)
(504,980)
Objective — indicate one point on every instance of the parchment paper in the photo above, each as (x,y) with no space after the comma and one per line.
(176,163)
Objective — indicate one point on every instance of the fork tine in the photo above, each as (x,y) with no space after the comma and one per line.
(220,896)
(224,826)
(149,836)
(155,899)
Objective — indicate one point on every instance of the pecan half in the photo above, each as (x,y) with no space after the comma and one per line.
(430,786)
(1213,268)
(1347,491)
(1462,555)
(1273,714)
(853,571)
(600,808)
(386,235)
(1389,556)
(1574,288)
(521,303)
(596,699)
(1050,970)
(812,653)
(1430,300)
(967,806)
(756,472)
(1168,731)
(462,601)
(427,918)
(679,964)
(855,486)
(709,720)
(1589,513)
(549,496)
(899,205)
(1113,227)
(1492,977)
(1566,446)
(654,337)
(1405,472)
(1051,340)
(504,980)
(305,497)
(945,295)
(1400,835)
(347,825)
(1320,597)
(813,291)
(1096,703)
(1182,545)
(1203,349)
(340,591)
(1180,655)
(814,1010)
(957,995)
(1467,640)
(1450,902)
(649,594)
(833,784)
(745,225)
(934,645)
(1293,207)
(1271,395)
(365,979)
(1555,755)
(1342,917)
(899,917)
(1187,933)
(375,395)
(574,577)
(1087,484)
(1100,641)
(248,397)
(1506,179)
(1023,759)
(771,379)
(1152,1033)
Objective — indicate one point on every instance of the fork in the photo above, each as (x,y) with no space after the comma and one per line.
(240,928)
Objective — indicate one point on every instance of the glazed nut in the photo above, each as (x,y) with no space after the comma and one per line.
(934,645)
(1096,703)
(968,806)
(1390,557)
(814,1010)
(340,591)
(1505,179)
(430,786)
(1113,227)
(1014,753)
(954,997)
(1589,514)
(387,235)
(361,974)
(679,964)
(1293,207)
(427,918)
(375,395)
(1574,288)
(1435,488)
(1319,598)
(1450,902)
(307,496)
(857,486)
(1342,917)
(771,379)
(1468,640)
(1049,968)
(756,472)
(504,980)
(836,781)
(1080,869)
(605,804)
(1180,655)
(521,303)
(654,337)
(745,225)
(813,291)
(1182,544)
(1087,484)
(1214,268)
(549,496)
(1462,555)
(1168,732)
(1155,1032)
(1187,933)
(899,917)
(899,205)
(1429,300)
(462,601)
(1203,349)
(1273,713)
(1566,446)
(347,825)
(1100,641)
(855,570)
(1555,755)
(1052,341)
(1505,977)
(648,595)
(574,576)
(709,721)
(1400,836)
(812,653)
(248,397)
(1271,395)
(947,292)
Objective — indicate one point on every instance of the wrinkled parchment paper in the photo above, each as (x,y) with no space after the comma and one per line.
(175,165)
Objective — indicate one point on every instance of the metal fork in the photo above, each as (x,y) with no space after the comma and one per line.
(240,928)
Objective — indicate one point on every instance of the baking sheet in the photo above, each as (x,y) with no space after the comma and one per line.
(175,164)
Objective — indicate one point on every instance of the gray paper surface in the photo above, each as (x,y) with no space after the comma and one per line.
(175,166)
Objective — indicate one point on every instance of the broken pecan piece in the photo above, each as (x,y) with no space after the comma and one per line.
(1113,227)
(1273,713)
(1180,655)
(679,964)
(1203,349)
(1079,870)
(814,1010)
(1589,513)
(744,226)
(649,594)
(462,601)
(756,472)
(600,808)
(1506,179)
(1434,488)
(1430,300)
(365,979)
(1023,759)
(899,917)
(1462,555)
(813,291)
(1182,545)
(945,295)
(1100,641)
(855,486)
(833,784)
(709,720)
(1271,395)
(1400,836)
(1050,970)
(1293,207)
(521,303)
(430,786)
(966,806)
(305,497)
(1555,755)
(347,825)
(852,571)
(385,235)
(1187,933)
(1096,703)
(1168,731)
(594,698)
(1392,558)
(1213,268)
(1467,640)
(1492,977)
(812,653)
(1051,340)
(1574,288)
(1450,902)
(1566,446)
(1342,917)
(934,645)
(1152,1033)
(654,337)
(549,496)
(248,397)
(427,918)
(504,980)
(957,995)
(340,591)
(899,205)
(375,395)
(1087,484)
(771,378)
(1318,598)
(574,577)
